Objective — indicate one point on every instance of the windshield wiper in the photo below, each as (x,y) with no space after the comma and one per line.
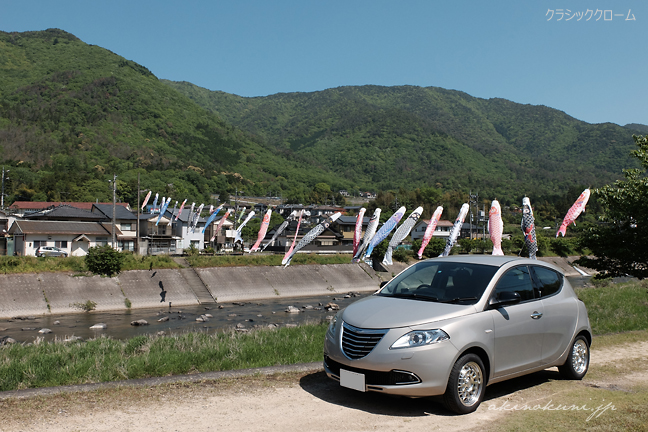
(415,296)
(459,299)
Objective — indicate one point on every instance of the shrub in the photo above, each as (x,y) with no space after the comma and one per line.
(192,250)
(466,244)
(561,247)
(401,255)
(104,260)
(88,306)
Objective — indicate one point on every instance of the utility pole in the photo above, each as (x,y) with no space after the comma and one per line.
(114,185)
(474,198)
(137,233)
(3,183)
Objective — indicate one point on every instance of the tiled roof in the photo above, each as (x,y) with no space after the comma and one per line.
(61,227)
(66,212)
(40,205)
(121,213)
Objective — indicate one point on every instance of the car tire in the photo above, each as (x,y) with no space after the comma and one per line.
(578,360)
(466,385)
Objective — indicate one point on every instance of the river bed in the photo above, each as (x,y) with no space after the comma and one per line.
(225,316)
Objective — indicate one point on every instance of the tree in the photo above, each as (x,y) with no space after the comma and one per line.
(619,244)
(104,260)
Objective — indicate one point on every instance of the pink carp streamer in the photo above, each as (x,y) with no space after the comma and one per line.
(574,212)
(495,227)
(148,195)
(429,231)
(369,234)
(285,258)
(220,225)
(262,231)
(358,230)
(180,210)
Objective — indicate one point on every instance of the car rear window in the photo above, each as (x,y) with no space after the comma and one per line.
(548,280)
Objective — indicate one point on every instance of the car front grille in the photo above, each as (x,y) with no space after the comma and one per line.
(358,343)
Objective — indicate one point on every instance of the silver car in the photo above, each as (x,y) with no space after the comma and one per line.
(451,326)
(50,251)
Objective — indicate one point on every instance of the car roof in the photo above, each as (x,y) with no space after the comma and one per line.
(494,260)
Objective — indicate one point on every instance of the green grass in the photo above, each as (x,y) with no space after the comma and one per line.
(265,260)
(30,264)
(617,307)
(105,359)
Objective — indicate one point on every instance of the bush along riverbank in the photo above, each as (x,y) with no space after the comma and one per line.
(612,308)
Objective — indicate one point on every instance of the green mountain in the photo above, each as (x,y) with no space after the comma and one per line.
(72,114)
(390,137)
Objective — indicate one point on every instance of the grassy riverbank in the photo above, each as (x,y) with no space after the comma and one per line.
(30,264)
(613,308)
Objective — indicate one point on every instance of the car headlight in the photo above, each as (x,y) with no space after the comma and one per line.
(331,328)
(420,338)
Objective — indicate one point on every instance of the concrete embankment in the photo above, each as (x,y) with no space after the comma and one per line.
(60,293)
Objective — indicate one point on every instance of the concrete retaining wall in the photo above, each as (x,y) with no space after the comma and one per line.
(57,293)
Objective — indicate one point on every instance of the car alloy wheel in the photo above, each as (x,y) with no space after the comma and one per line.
(577,362)
(466,385)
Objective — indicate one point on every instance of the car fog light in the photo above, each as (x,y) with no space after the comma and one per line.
(419,338)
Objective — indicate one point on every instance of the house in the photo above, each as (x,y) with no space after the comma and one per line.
(74,237)
(21,208)
(346,226)
(157,238)
(125,221)
(220,238)
(330,241)
(442,229)
(6,241)
(181,230)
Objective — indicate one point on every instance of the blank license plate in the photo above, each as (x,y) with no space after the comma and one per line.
(352,380)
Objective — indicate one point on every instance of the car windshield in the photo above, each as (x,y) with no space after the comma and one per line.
(445,282)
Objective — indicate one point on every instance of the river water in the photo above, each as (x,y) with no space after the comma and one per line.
(247,315)
(225,316)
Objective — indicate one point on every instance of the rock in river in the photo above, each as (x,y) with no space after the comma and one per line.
(139,323)
(99,326)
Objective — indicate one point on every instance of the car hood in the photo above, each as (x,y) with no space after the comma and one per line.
(376,312)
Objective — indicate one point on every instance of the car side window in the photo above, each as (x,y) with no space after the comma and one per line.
(549,282)
(516,280)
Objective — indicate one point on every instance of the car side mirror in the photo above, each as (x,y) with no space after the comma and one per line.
(505,298)
(383,283)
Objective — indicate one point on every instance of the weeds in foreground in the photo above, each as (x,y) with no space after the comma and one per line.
(105,359)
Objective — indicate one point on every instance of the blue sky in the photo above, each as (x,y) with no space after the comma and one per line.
(593,66)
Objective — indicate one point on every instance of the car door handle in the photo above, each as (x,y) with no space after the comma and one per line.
(536,315)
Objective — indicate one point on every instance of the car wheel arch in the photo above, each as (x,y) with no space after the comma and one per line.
(587,336)
(483,355)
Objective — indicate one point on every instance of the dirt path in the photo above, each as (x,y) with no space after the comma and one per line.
(285,402)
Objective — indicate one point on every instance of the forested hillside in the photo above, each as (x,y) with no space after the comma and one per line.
(390,137)
(73,114)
